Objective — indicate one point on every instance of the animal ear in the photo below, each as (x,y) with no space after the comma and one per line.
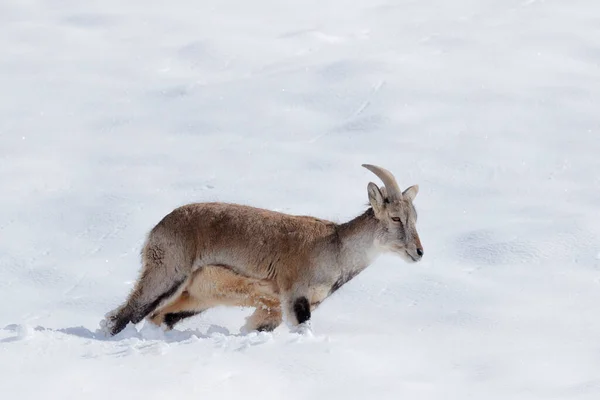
(375,197)
(383,191)
(411,192)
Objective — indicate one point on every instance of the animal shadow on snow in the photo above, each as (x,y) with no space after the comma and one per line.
(146,332)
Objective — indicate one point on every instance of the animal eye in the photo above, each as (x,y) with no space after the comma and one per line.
(396,219)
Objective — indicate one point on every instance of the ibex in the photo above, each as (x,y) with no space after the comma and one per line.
(207,254)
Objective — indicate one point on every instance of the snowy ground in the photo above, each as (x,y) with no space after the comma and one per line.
(112,113)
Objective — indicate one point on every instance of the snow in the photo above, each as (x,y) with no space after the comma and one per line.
(113,113)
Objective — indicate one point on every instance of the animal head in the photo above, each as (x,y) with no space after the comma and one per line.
(396,215)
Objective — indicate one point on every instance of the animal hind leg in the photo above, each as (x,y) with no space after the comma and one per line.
(184,307)
(161,280)
(145,298)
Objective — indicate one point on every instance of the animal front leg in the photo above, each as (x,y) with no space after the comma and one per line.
(297,309)
(263,319)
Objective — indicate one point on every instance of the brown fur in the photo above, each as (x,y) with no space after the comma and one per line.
(218,286)
(207,254)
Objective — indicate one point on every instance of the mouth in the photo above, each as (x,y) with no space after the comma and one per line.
(411,257)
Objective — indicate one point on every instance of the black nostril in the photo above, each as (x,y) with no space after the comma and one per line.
(420,252)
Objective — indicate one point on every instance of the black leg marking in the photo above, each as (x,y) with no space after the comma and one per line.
(302,309)
(143,312)
(171,319)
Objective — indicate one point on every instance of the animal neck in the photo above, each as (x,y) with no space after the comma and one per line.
(357,247)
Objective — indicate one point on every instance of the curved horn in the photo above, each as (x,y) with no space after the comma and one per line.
(388,180)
